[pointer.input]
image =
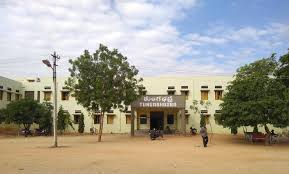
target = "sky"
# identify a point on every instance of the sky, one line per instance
(159, 37)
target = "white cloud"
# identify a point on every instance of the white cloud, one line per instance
(143, 30)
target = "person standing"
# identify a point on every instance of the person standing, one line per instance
(204, 135)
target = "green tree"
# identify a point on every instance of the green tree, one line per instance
(282, 72)
(45, 121)
(196, 105)
(102, 81)
(63, 120)
(253, 98)
(81, 123)
(2, 115)
(24, 112)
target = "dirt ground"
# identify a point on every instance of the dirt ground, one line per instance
(122, 154)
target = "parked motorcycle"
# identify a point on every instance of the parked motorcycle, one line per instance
(26, 132)
(41, 132)
(154, 134)
(193, 131)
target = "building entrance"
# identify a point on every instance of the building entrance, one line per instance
(157, 120)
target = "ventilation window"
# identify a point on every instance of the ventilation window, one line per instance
(30, 80)
(96, 119)
(204, 111)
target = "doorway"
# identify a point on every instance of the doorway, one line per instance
(157, 120)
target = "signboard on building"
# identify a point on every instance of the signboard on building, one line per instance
(160, 101)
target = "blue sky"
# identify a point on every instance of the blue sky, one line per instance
(160, 37)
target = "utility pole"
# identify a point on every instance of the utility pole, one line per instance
(55, 58)
(46, 62)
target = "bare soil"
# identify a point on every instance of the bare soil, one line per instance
(226, 154)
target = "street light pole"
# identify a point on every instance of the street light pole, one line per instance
(46, 62)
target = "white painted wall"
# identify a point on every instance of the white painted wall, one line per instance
(154, 86)
(9, 83)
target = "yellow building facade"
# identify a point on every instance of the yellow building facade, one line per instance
(167, 103)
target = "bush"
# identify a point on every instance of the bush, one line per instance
(202, 121)
(63, 120)
(81, 123)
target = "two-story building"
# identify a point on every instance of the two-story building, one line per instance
(167, 102)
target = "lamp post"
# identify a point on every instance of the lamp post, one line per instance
(53, 67)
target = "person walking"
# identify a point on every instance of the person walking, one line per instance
(204, 135)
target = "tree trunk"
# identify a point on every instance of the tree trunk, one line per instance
(100, 126)
(132, 123)
(267, 136)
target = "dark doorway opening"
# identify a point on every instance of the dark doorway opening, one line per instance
(157, 120)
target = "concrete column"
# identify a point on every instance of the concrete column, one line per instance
(132, 122)
(183, 122)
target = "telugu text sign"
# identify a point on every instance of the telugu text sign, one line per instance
(160, 101)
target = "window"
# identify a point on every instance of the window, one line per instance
(47, 95)
(9, 96)
(218, 95)
(171, 92)
(204, 95)
(38, 96)
(96, 119)
(47, 87)
(143, 119)
(29, 95)
(64, 95)
(143, 92)
(217, 112)
(110, 119)
(207, 118)
(170, 119)
(30, 80)
(185, 93)
(204, 111)
(76, 118)
(128, 119)
(1, 95)
(17, 97)
(187, 119)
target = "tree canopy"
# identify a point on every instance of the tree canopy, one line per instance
(282, 71)
(27, 112)
(255, 97)
(103, 80)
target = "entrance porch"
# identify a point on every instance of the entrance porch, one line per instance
(159, 112)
